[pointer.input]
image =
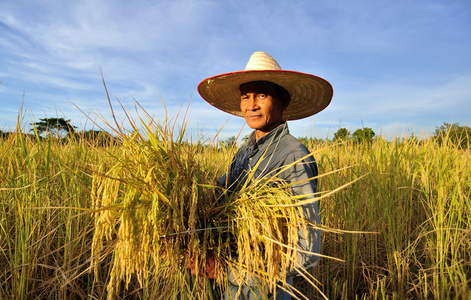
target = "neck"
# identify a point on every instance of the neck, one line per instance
(261, 132)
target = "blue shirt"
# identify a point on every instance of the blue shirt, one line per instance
(277, 149)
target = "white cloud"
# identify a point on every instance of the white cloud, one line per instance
(390, 63)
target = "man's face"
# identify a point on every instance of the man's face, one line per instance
(260, 106)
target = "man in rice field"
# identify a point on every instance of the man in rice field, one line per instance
(267, 96)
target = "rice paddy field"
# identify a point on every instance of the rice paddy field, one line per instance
(82, 219)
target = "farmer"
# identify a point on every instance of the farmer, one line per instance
(267, 96)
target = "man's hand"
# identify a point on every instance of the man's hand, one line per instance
(209, 268)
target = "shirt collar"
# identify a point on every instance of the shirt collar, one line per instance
(271, 136)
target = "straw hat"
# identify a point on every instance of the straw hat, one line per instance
(309, 94)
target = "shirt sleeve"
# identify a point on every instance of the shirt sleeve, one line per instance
(302, 174)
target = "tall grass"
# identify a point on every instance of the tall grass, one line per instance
(413, 206)
(44, 232)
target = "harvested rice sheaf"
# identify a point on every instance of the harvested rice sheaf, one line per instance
(156, 209)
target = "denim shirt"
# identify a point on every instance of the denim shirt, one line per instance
(277, 149)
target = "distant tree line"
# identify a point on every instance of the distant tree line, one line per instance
(450, 134)
(362, 136)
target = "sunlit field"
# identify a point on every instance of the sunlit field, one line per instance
(85, 218)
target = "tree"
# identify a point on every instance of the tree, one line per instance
(454, 134)
(364, 135)
(341, 134)
(229, 142)
(58, 127)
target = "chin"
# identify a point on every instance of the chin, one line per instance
(256, 127)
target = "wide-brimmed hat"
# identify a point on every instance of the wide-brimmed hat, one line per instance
(309, 94)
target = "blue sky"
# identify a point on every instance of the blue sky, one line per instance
(395, 66)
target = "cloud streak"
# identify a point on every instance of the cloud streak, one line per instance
(390, 63)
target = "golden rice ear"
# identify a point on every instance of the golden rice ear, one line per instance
(152, 207)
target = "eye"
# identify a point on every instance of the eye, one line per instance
(261, 96)
(244, 97)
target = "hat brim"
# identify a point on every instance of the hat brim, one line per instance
(309, 94)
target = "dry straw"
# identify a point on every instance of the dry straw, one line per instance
(155, 208)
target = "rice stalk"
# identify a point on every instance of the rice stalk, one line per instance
(156, 208)
(43, 247)
(416, 196)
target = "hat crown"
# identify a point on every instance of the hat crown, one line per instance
(262, 61)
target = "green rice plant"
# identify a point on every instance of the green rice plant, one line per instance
(445, 181)
(413, 208)
(44, 243)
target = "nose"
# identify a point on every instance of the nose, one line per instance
(252, 105)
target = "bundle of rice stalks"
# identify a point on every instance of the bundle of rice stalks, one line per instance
(265, 225)
(156, 209)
